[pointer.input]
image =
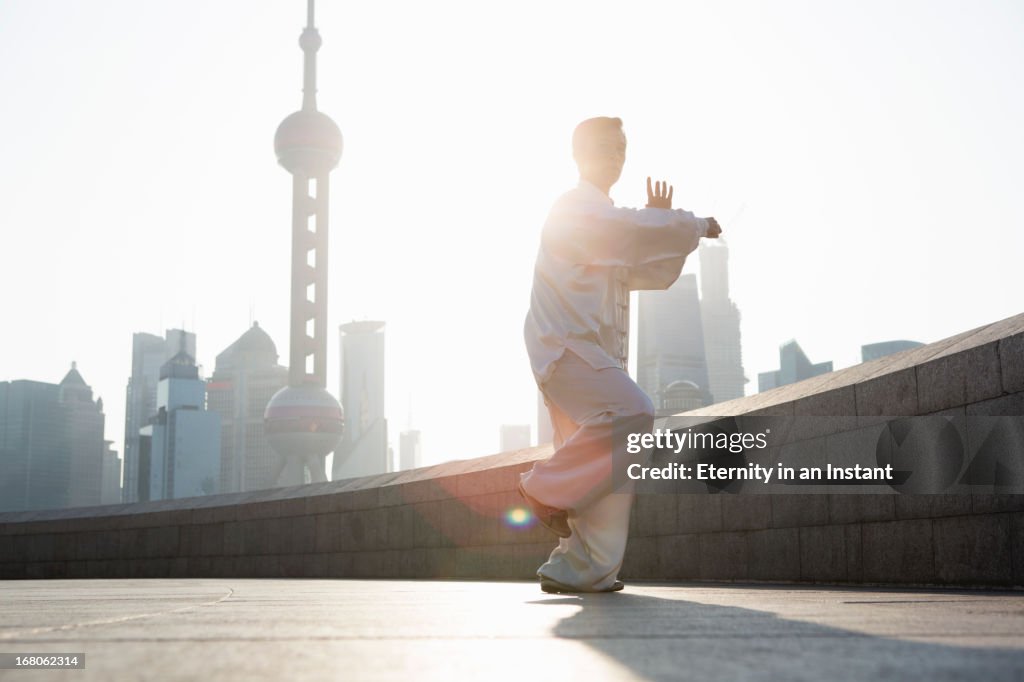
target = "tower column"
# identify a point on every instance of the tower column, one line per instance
(308, 341)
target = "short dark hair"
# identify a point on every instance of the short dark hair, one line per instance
(590, 137)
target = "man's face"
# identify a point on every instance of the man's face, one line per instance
(610, 156)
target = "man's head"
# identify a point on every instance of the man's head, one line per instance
(599, 147)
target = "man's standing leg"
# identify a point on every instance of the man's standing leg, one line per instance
(592, 555)
(578, 476)
(591, 558)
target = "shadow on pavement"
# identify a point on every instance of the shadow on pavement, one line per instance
(675, 639)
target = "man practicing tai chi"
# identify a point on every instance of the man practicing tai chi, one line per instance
(592, 254)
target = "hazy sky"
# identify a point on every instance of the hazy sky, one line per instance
(875, 149)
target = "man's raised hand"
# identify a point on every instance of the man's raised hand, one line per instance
(660, 196)
(714, 229)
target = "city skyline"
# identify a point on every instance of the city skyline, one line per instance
(864, 176)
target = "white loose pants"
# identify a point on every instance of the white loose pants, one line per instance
(584, 404)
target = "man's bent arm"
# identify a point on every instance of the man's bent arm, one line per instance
(592, 234)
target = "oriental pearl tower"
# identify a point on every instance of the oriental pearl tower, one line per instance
(304, 422)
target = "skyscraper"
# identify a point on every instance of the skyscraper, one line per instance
(179, 449)
(111, 488)
(409, 456)
(721, 320)
(149, 353)
(671, 343)
(51, 444)
(793, 367)
(873, 351)
(364, 447)
(303, 421)
(35, 471)
(513, 437)
(246, 376)
(682, 395)
(83, 439)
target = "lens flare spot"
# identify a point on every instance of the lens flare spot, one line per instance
(519, 517)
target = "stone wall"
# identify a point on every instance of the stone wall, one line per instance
(451, 520)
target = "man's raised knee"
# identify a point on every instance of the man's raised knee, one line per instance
(640, 406)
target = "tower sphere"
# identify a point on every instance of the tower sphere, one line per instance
(310, 40)
(303, 421)
(308, 142)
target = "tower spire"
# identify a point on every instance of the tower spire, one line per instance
(310, 42)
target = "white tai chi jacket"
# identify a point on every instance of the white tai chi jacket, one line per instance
(592, 254)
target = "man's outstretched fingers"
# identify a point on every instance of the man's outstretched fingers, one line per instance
(659, 195)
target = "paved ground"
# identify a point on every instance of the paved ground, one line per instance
(241, 629)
